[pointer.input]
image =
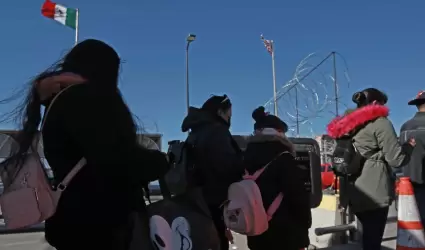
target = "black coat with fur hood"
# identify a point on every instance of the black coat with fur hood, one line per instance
(292, 220)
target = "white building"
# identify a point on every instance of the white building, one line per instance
(327, 145)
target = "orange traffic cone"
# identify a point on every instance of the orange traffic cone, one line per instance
(410, 232)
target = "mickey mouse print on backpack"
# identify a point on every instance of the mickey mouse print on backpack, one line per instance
(182, 222)
(170, 237)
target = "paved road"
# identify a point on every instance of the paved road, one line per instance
(390, 234)
(35, 241)
(31, 241)
(321, 219)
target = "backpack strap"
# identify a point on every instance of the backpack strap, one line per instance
(64, 183)
(191, 152)
(51, 104)
(274, 206)
(165, 190)
(81, 163)
(192, 139)
(147, 193)
(278, 200)
(261, 170)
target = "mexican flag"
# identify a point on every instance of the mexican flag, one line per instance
(60, 13)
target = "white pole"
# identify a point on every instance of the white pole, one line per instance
(77, 15)
(298, 114)
(274, 81)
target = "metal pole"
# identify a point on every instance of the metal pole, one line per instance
(341, 212)
(187, 77)
(274, 81)
(335, 85)
(296, 107)
(77, 15)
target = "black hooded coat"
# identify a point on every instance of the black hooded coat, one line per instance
(219, 156)
(289, 226)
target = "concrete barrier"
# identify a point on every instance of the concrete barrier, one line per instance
(322, 217)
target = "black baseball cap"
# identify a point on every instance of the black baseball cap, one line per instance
(419, 99)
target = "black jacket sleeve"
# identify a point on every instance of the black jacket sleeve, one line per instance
(102, 129)
(223, 155)
(293, 189)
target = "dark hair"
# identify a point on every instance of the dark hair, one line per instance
(28, 115)
(96, 61)
(216, 103)
(368, 96)
(79, 60)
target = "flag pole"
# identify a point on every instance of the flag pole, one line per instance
(77, 15)
(274, 80)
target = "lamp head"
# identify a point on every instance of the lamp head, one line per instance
(190, 38)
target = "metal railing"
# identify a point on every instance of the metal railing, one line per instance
(346, 228)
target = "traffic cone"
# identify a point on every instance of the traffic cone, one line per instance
(410, 231)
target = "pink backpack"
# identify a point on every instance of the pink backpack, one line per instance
(28, 198)
(244, 211)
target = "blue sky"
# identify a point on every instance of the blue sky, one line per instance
(378, 40)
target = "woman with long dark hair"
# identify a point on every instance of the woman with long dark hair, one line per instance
(371, 191)
(89, 119)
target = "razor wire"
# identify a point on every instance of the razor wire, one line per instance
(309, 94)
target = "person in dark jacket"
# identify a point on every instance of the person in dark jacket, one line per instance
(374, 137)
(219, 159)
(90, 119)
(288, 229)
(415, 128)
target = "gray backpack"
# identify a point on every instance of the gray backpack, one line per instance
(182, 157)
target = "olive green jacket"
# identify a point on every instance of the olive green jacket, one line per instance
(375, 138)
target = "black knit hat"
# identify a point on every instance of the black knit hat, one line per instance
(216, 103)
(265, 120)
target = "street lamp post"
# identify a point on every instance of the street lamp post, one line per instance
(190, 38)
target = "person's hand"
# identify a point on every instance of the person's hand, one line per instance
(412, 142)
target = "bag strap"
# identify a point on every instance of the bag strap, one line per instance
(261, 170)
(274, 206)
(81, 163)
(165, 190)
(51, 104)
(68, 178)
(278, 200)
